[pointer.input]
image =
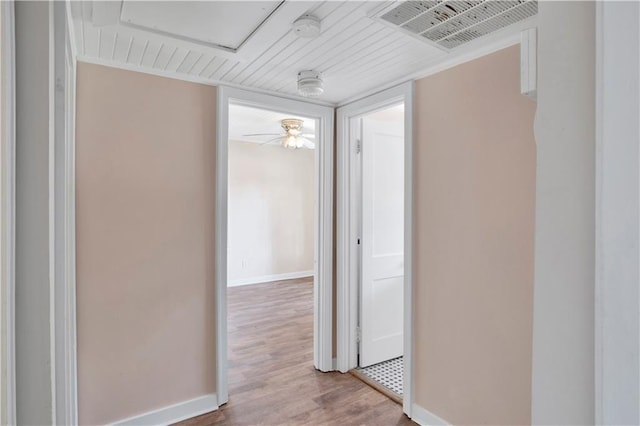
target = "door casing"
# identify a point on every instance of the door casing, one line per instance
(348, 227)
(323, 259)
(7, 214)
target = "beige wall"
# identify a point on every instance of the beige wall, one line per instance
(475, 166)
(271, 211)
(145, 242)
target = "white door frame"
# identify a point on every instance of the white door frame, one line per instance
(323, 268)
(62, 212)
(617, 300)
(348, 225)
(7, 216)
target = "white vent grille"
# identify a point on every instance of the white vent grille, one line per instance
(449, 24)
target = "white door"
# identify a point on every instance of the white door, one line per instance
(382, 242)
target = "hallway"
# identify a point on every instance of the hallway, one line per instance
(271, 376)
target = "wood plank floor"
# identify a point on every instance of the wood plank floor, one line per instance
(271, 376)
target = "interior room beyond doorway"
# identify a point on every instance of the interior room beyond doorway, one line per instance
(271, 201)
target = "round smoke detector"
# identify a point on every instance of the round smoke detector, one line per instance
(307, 26)
(310, 83)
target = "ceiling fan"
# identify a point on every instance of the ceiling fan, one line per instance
(292, 137)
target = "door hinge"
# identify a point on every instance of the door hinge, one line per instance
(358, 334)
(358, 146)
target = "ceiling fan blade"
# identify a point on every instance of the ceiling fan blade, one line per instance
(262, 134)
(306, 143)
(271, 140)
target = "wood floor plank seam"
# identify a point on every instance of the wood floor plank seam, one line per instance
(271, 376)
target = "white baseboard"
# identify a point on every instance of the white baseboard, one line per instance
(269, 278)
(426, 418)
(174, 413)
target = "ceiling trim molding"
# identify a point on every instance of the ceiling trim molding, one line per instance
(500, 40)
(196, 79)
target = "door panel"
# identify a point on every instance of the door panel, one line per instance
(382, 241)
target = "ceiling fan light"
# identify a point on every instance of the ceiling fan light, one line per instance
(289, 141)
(310, 83)
(292, 126)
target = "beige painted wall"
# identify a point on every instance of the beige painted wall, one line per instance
(271, 210)
(475, 167)
(145, 242)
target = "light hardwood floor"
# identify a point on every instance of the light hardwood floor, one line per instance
(271, 376)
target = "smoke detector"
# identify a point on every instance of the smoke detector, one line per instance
(307, 26)
(310, 83)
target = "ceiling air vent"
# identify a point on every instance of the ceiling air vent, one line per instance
(449, 24)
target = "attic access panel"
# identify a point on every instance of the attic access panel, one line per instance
(451, 23)
(225, 24)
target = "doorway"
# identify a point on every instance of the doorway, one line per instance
(322, 268)
(271, 199)
(380, 160)
(374, 227)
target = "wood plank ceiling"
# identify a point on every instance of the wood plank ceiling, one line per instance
(355, 53)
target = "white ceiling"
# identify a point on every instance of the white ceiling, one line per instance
(210, 22)
(250, 43)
